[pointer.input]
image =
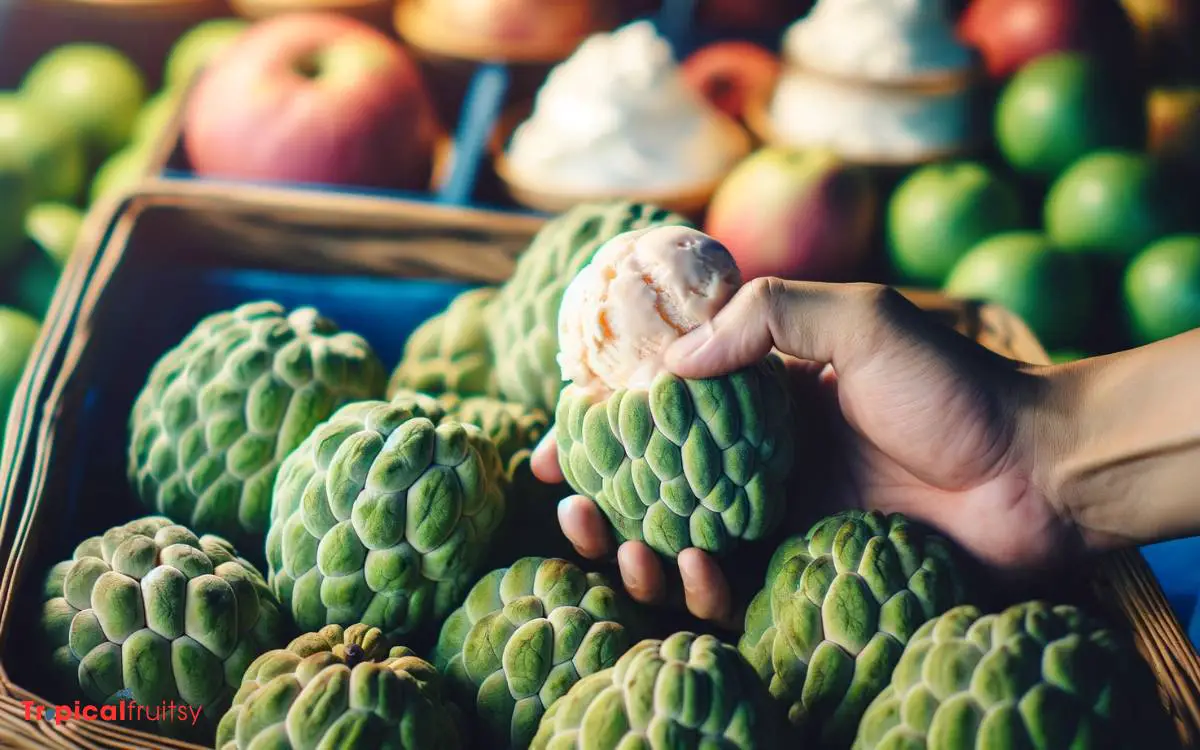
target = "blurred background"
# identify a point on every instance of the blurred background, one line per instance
(1041, 154)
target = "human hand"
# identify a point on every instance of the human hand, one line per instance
(922, 421)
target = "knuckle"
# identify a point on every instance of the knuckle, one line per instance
(877, 300)
(771, 295)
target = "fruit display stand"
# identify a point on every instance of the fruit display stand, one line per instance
(175, 251)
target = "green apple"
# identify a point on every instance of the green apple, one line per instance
(1022, 271)
(1114, 203)
(16, 196)
(122, 170)
(1060, 107)
(1162, 289)
(95, 88)
(57, 161)
(155, 116)
(941, 211)
(200, 44)
(18, 334)
(54, 227)
(30, 282)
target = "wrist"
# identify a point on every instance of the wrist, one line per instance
(1112, 442)
(1049, 439)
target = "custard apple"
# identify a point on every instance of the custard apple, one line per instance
(221, 410)
(515, 429)
(449, 353)
(685, 692)
(530, 525)
(838, 606)
(340, 688)
(687, 463)
(151, 612)
(523, 318)
(383, 517)
(1035, 676)
(523, 637)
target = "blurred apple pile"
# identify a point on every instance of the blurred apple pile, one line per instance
(80, 127)
(1079, 213)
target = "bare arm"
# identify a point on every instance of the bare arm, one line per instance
(1115, 442)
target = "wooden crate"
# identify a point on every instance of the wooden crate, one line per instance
(160, 244)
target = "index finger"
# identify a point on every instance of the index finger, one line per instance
(818, 322)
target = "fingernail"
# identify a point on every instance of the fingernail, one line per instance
(687, 345)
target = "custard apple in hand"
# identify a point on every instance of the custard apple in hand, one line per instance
(687, 692)
(840, 603)
(340, 688)
(154, 611)
(450, 352)
(672, 462)
(383, 517)
(523, 637)
(523, 319)
(1035, 677)
(223, 408)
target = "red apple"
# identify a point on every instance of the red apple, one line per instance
(317, 98)
(795, 214)
(730, 74)
(1009, 33)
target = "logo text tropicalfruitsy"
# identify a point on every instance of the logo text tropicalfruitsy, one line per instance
(120, 711)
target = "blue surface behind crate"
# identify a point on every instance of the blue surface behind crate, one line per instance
(1177, 564)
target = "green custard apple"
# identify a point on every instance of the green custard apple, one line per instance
(340, 688)
(515, 429)
(523, 319)
(839, 605)
(449, 353)
(383, 516)
(687, 692)
(523, 637)
(1035, 677)
(222, 409)
(675, 463)
(151, 610)
(530, 525)
(684, 463)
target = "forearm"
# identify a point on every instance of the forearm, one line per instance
(1116, 442)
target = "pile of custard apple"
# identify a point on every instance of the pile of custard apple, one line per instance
(333, 556)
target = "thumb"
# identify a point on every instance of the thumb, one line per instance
(815, 321)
